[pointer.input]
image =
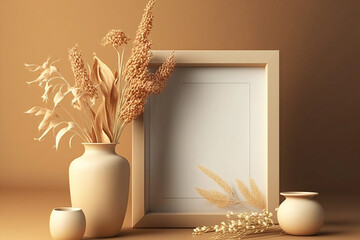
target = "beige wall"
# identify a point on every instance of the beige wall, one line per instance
(319, 76)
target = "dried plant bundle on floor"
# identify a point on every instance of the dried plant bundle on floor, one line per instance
(102, 103)
(238, 226)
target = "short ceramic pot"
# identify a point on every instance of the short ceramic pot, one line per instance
(67, 223)
(300, 214)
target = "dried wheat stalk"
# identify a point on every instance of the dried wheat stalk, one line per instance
(253, 196)
(217, 198)
(221, 182)
(103, 102)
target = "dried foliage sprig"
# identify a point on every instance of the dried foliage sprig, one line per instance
(253, 196)
(216, 178)
(103, 102)
(238, 226)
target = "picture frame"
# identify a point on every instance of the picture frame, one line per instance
(247, 63)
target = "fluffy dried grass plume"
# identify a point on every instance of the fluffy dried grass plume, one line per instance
(116, 38)
(140, 81)
(141, 87)
(82, 79)
(253, 197)
(137, 64)
(158, 81)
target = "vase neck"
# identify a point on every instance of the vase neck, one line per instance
(299, 194)
(100, 147)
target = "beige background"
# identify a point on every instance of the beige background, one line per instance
(319, 76)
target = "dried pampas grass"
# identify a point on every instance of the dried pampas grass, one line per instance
(137, 76)
(103, 102)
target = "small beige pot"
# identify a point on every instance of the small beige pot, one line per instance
(300, 214)
(67, 223)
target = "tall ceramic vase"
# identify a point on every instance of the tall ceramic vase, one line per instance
(99, 185)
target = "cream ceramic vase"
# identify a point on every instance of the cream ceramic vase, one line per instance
(99, 184)
(67, 223)
(300, 214)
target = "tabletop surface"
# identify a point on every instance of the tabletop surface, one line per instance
(25, 215)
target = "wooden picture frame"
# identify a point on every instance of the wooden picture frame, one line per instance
(266, 59)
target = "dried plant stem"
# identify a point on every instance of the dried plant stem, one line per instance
(121, 86)
(60, 77)
(72, 130)
(86, 129)
(90, 115)
(78, 134)
(122, 126)
(85, 136)
(118, 82)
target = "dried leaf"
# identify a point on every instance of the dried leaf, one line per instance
(114, 97)
(48, 117)
(105, 137)
(93, 114)
(48, 70)
(36, 110)
(77, 95)
(93, 135)
(47, 89)
(103, 75)
(62, 132)
(44, 75)
(52, 125)
(221, 182)
(59, 96)
(32, 67)
(99, 119)
(70, 140)
(116, 76)
(101, 124)
(215, 197)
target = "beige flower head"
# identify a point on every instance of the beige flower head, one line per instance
(115, 38)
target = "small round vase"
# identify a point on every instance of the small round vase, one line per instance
(67, 223)
(300, 214)
(99, 185)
